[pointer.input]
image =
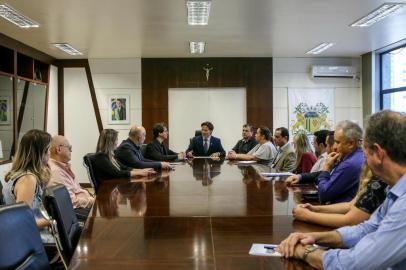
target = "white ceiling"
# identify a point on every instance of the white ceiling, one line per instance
(237, 28)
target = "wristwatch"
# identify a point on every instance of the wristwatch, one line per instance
(308, 250)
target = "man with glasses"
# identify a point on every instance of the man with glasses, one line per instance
(61, 173)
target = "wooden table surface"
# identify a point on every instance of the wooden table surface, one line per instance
(204, 215)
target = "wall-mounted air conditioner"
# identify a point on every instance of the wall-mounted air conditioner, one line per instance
(333, 72)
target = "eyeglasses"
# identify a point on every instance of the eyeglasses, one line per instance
(69, 147)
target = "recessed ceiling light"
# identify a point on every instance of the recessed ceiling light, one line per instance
(12, 15)
(197, 46)
(67, 48)
(198, 12)
(320, 48)
(378, 14)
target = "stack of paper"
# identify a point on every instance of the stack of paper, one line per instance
(274, 174)
(245, 162)
(264, 250)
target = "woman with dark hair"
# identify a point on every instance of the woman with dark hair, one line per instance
(28, 174)
(106, 166)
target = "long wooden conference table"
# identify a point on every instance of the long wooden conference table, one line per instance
(203, 215)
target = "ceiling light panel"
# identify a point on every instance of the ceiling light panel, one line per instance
(378, 14)
(197, 46)
(67, 48)
(12, 15)
(320, 48)
(198, 12)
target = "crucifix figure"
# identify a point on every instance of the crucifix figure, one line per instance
(207, 69)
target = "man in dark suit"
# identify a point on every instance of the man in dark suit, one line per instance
(129, 151)
(205, 145)
(120, 110)
(156, 150)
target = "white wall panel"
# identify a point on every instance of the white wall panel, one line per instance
(117, 81)
(118, 76)
(295, 72)
(348, 97)
(52, 121)
(188, 108)
(80, 120)
(115, 65)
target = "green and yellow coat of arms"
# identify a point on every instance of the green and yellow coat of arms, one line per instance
(310, 118)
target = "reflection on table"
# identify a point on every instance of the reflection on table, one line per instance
(202, 215)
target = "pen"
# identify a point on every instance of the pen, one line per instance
(270, 246)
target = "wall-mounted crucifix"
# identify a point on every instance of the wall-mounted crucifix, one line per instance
(207, 69)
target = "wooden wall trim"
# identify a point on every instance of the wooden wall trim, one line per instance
(160, 74)
(22, 106)
(94, 97)
(75, 63)
(47, 99)
(25, 49)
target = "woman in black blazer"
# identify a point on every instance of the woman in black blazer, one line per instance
(106, 165)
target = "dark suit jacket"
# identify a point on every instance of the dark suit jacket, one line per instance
(130, 155)
(309, 177)
(196, 146)
(121, 113)
(160, 152)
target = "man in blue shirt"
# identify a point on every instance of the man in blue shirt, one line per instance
(379, 242)
(339, 179)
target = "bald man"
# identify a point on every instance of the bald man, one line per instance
(61, 173)
(129, 151)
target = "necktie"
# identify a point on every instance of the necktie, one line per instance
(205, 146)
(276, 157)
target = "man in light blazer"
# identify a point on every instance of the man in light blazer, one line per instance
(285, 159)
(206, 144)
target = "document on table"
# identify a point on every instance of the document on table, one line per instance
(264, 250)
(201, 157)
(245, 162)
(274, 174)
(176, 163)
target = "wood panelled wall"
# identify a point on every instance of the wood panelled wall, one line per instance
(160, 74)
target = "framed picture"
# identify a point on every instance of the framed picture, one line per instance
(5, 111)
(119, 109)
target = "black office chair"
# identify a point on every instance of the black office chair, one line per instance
(20, 246)
(59, 206)
(1, 194)
(87, 162)
(197, 133)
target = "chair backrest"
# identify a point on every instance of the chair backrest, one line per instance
(1, 194)
(59, 206)
(198, 132)
(88, 163)
(143, 149)
(20, 246)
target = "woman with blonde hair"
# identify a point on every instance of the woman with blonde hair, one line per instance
(29, 174)
(106, 166)
(305, 158)
(370, 195)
